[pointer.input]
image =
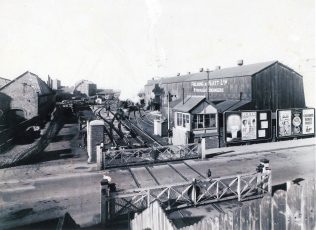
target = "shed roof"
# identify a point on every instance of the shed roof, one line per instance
(189, 104)
(231, 105)
(236, 71)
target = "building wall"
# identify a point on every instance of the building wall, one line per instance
(278, 87)
(20, 96)
(56, 84)
(3, 81)
(219, 89)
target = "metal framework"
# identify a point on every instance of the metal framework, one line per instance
(126, 157)
(180, 195)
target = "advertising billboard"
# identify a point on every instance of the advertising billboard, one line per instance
(246, 126)
(295, 122)
(308, 116)
(284, 123)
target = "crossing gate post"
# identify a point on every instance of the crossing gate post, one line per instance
(99, 157)
(105, 194)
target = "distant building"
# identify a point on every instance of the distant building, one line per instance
(26, 96)
(3, 81)
(56, 84)
(85, 88)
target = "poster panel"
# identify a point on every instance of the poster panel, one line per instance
(249, 125)
(296, 122)
(284, 123)
(308, 117)
(233, 127)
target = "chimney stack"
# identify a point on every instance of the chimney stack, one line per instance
(189, 73)
(240, 62)
(201, 69)
(178, 74)
(218, 67)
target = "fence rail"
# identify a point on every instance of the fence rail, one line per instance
(127, 157)
(187, 194)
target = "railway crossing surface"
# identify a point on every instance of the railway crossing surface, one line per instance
(53, 188)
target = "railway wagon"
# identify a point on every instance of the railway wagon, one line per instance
(267, 85)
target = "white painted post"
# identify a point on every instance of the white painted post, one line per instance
(238, 188)
(99, 157)
(203, 148)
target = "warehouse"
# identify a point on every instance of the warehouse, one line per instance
(268, 85)
(27, 97)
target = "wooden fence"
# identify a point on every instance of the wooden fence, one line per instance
(154, 218)
(291, 209)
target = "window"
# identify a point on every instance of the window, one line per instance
(201, 121)
(179, 119)
(182, 119)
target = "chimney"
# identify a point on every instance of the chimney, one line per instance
(178, 74)
(240, 62)
(201, 69)
(218, 67)
(189, 73)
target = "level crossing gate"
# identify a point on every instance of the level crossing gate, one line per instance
(141, 156)
(180, 195)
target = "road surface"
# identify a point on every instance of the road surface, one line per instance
(47, 190)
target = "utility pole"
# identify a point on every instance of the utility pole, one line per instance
(208, 83)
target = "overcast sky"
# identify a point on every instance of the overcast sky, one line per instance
(122, 43)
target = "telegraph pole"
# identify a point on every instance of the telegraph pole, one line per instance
(208, 83)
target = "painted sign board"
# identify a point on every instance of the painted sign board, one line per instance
(295, 122)
(247, 126)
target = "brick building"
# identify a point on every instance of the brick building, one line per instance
(26, 96)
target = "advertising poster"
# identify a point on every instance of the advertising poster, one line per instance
(233, 127)
(296, 122)
(308, 117)
(248, 125)
(284, 123)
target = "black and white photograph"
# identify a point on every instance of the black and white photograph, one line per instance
(157, 115)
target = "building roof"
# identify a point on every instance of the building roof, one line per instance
(32, 80)
(231, 105)
(189, 104)
(195, 105)
(236, 71)
(3, 81)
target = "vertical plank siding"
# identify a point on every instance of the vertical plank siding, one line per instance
(153, 218)
(277, 87)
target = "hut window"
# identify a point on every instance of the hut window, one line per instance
(201, 121)
(210, 120)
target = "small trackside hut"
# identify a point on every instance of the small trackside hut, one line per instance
(194, 118)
